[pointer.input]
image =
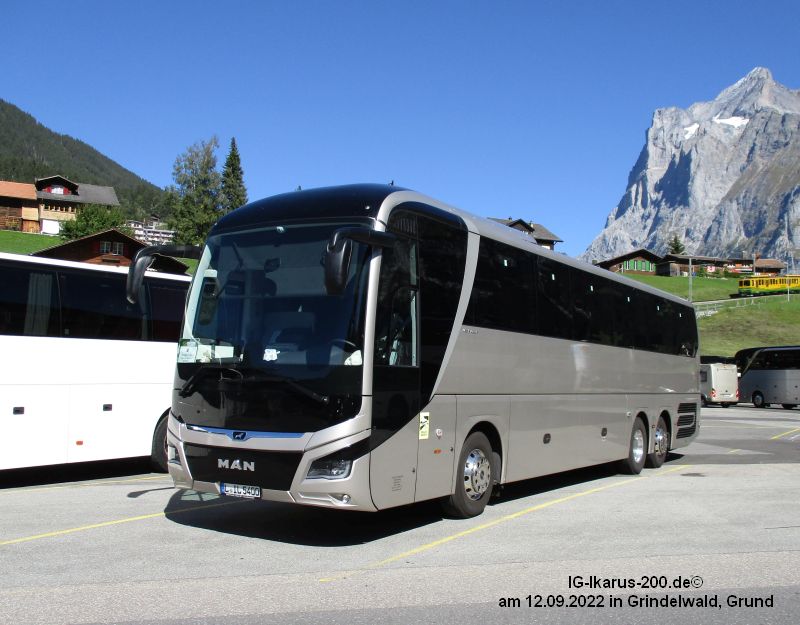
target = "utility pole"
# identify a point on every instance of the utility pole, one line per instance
(690, 278)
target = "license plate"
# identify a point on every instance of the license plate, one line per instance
(240, 490)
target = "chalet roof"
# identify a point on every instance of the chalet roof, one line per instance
(537, 231)
(18, 190)
(41, 183)
(640, 253)
(85, 194)
(770, 263)
(61, 251)
(684, 258)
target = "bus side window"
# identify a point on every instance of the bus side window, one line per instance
(94, 307)
(28, 302)
(166, 310)
(396, 322)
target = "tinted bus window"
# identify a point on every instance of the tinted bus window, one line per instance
(553, 299)
(503, 296)
(166, 300)
(94, 307)
(28, 301)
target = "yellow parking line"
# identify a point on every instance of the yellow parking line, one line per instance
(498, 521)
(774, 438)
(132, 519)
(733, 451)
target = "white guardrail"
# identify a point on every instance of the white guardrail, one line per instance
(705, 309)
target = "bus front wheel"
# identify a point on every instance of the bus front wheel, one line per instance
(758, 400)
(475, 478)
(158, 454)
(637, 450)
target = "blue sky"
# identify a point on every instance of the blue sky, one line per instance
(526, 109)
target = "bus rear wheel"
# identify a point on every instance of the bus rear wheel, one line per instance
(660, 444)
(788, 406)
(475, 478)
(637, 450)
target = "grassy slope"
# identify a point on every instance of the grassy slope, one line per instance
(703, 289)
(774, 322)
(25, 243)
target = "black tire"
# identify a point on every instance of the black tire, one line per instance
(158, 453)
(477, 471)
(726, 404)
(758, 400)
(788, 406)
(661, 442)
(637, 449)
(703, 401)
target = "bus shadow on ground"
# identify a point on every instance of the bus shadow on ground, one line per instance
(323, 527)
(78, 472)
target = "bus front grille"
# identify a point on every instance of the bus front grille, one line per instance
(272, 470)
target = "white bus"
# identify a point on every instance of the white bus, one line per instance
(86, 376)
(364, 347)
(770, 375)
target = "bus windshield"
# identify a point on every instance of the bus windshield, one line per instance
(261, 323)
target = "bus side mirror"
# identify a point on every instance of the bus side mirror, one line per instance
(337, 264)
(144, 258)
(340, 249)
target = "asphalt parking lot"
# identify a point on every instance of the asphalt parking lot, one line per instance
(718, 526)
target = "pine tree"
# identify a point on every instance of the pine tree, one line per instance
(196, 195)
(234, 193)
(676, 246)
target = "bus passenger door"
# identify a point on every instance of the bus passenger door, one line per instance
(396, 379)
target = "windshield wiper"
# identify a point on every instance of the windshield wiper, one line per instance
(190, 385)
(248, 376)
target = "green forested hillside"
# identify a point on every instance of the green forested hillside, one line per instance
(28, 150)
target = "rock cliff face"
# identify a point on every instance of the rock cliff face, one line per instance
(724, 176)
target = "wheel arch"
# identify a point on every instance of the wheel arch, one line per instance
(668, 420)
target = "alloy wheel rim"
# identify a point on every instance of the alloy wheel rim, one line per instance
(477, 474)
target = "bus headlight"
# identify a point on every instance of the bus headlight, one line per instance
(339, 464)
(330, 469)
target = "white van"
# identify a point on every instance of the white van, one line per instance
(719, 384)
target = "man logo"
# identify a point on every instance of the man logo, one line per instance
(238, 465)
(240, 436)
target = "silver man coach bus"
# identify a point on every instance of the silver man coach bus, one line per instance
(364, 347)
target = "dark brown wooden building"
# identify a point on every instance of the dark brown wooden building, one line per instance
(110, 247)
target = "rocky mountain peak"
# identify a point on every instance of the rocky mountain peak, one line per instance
(756, 91)
(724, 176)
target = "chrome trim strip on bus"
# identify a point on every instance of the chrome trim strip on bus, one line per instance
(243, 435)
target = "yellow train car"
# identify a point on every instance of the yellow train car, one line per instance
(768, 285)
